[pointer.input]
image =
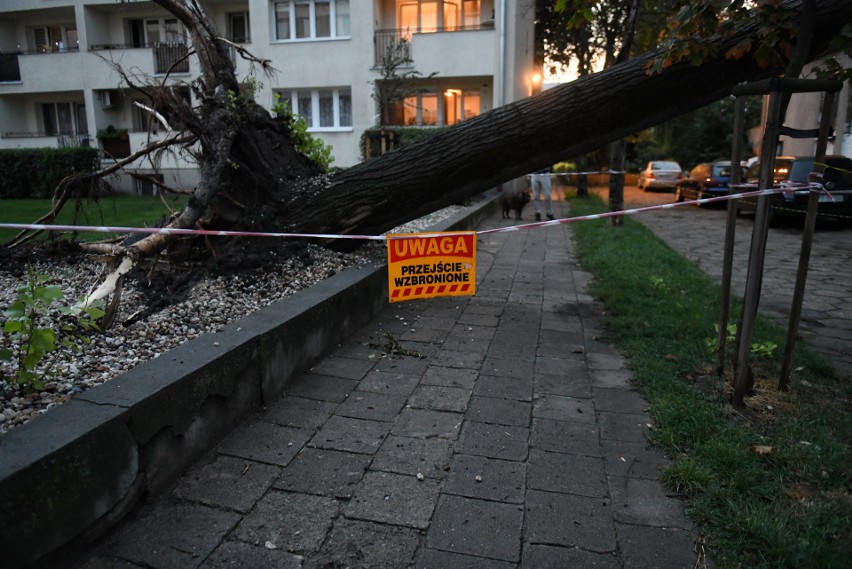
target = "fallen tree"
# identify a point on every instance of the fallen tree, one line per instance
(252, 177)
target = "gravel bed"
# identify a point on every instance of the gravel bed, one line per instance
(212, 303)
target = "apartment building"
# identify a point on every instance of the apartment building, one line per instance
(59, 83)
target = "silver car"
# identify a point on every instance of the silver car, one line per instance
(660, 175)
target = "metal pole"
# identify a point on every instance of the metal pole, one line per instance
(730, 233)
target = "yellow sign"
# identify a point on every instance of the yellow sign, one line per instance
(426, 265)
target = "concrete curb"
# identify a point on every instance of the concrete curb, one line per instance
(69, 475)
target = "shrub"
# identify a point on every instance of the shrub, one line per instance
(36, 172)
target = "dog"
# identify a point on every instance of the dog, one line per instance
(514, 201)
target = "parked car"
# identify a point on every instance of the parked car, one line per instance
(707, 180)
(660, 175)
(836, 178)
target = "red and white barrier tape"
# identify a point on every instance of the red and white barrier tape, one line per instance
(170, 231)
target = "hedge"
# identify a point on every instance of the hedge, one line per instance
(36, 172)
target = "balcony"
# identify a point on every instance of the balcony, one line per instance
(458, 53)
(401, 39)
(168, 57)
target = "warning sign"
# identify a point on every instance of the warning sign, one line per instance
(426, 265)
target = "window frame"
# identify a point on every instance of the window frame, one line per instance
(293, 29)
(314, 120)
(246, 22)
(442, 110)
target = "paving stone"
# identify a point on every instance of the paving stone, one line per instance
(569, 521)
(354, 543)
(512, 340)
(322, 387)
(474, 319)
(565, 386)
(574, 353)
(552, 557)
(347, 368)
(227, 482)
(477, 527)
(354, 435)
(171, 536)
(619, 400)
(567, 473)
(508, 367)
(436, 322)
(394, 499)
(419, 333)
(463, 332)
(479, 305)
(292, 522)
(324, 472)
(439, 398)
(505, 387)
(435, 559)
(236, 555)
(599, 361)
(570, 367)
(546, 406)
(423, 424)
(101, 562)
(264, 442)
(486, 478)
(624, 458)
(450, 377)
(672, 547)
(403, 364)
(372, 406)
(412, 456)
(299, 412)
(645, 502)
(624, 426)
(494, 441)
(611, 378)
(499, 411)
(565, 437)
(391, 383)
(452, 358)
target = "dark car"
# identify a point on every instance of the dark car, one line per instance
(836, 179)
(707, 180)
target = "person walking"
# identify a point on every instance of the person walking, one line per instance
(541, 189)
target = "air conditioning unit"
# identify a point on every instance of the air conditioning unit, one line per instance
(108, 99)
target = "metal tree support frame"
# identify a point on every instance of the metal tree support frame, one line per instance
(777, 89)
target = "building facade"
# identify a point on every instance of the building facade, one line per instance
(61, 65)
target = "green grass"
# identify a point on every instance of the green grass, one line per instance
(789, 508)
(121, 211)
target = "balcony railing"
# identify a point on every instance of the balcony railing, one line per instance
(63, 140)
(171, 58)
(10, 71)
(397, 43)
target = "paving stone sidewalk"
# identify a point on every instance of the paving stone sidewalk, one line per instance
(514, 441)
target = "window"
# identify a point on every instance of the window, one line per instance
(437, 15)
(322, 109)
(238, 27)
(156, 31)
(311, 19)
(428, 109)
(48, 39)
(64, 118)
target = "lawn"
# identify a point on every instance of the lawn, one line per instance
(768, 486)
(120, 210)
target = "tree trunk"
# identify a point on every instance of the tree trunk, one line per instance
(251, 177)
(530, 134)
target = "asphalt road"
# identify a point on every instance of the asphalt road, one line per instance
(698, 234)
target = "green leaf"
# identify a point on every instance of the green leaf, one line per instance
(6, 354)
(13, 326)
